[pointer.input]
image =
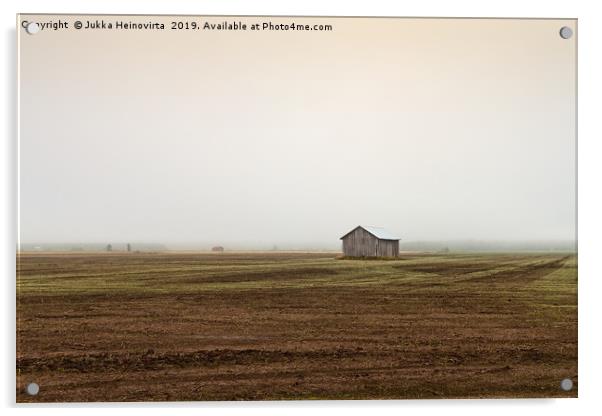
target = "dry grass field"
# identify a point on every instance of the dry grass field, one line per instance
(263, 326)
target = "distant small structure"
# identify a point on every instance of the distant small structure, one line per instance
(217, 249)
(364, 241)
(129, 247)
(109, 247)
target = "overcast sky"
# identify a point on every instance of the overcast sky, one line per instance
(434, 129)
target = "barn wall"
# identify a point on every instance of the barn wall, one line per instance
(360, 243)
(388, 248)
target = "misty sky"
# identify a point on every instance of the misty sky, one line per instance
(435, 129)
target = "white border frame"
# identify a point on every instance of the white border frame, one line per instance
(589, 208)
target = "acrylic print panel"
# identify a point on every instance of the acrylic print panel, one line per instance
(268, 208)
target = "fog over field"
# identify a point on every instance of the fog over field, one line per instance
(438, 130)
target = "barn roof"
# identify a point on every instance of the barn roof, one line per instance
(377, 232)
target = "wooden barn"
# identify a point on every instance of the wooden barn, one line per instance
(370, 242)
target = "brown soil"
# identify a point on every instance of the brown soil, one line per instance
(511, 333)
